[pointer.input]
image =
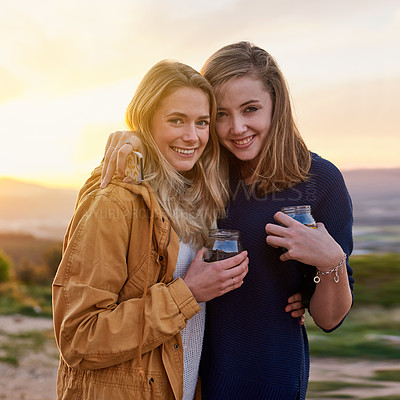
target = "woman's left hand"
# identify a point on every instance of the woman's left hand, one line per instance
(310, 246)
(118, 147)
(295, 307)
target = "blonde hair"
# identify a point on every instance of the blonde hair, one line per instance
(193, 200)
(284, 158)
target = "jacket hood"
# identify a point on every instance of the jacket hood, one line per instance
(93, 184)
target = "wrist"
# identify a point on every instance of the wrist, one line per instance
(333, 259)
(334, 271)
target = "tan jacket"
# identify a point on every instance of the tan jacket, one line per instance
(117, 311)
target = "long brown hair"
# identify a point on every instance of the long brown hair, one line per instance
(193, 200)
(284, 158)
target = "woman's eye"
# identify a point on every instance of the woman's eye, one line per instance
(176, 121)
(251, 109)
(220, 114)
(203, 123)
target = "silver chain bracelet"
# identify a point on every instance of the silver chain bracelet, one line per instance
(317, 279)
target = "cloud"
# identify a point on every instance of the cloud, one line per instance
(62, 47)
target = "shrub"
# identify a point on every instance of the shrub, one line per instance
(52, 258)
(5, 267)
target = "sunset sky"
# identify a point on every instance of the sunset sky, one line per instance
(69, 68)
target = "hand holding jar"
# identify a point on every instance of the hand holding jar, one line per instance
(310, 246)
(217, 269)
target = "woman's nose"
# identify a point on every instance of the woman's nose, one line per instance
(238, 125)
(190, 134)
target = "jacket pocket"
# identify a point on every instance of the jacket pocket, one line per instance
(119, 384)
(134, 285)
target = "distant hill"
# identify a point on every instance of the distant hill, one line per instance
(45, 212)
(375, 194)
(35, 209)
(373, 183)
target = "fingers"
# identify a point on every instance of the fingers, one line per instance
(200, 254)
(295, 307)
(284, 219)
(208, 280)
(130, 139)
(274, 229)
(122, 155)
(296, 310)
(128, 180)
(137, 144)
(236, 283)
(275, 234)
(235, 276)
(107, 144)
(231, 272)
(295, 298)
(231, 262)
(118, 147)
(108, 167)
(238, 273)
(288, 236)
(276, 241)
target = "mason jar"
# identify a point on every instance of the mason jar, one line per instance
(301, 214)
(222, 244)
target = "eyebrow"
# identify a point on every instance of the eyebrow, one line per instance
(179, 114)
(243, 104)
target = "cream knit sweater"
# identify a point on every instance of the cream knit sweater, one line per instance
(192, 334)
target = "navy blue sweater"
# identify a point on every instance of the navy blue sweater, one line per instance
(253, 349)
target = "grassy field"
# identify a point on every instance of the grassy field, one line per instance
(370, 332)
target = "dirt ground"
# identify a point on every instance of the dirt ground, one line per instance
(35, 377)
(355, 372)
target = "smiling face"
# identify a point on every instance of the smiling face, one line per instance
(243, 117)
(180, 127)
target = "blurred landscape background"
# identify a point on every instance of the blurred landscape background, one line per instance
(356, 361)
(44, 212)
(68, 70)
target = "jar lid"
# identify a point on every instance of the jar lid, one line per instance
(296, 209)
(224, 233)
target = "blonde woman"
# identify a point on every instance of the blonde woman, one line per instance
(128, 297)
(252, 348)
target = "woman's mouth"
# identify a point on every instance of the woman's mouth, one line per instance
(180, 150)
(244, 141)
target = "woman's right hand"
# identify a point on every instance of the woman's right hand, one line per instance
(208, 280)
(118, 147)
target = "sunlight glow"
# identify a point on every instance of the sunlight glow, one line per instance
(68, 73)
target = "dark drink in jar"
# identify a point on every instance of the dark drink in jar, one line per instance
(301, 214)
(222, 244)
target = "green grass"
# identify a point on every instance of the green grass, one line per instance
(377, 279)
(14, 346)
(330, 396)
(377, 284)
(392, 375)
(29, 300)
(330, 386)
(366, 333)
(325, 389)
